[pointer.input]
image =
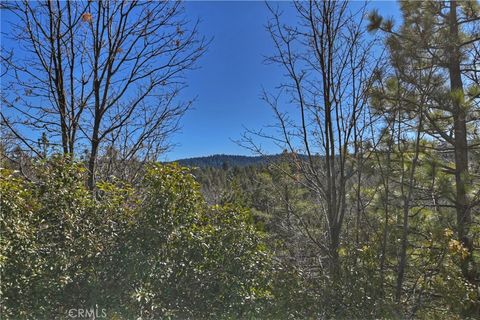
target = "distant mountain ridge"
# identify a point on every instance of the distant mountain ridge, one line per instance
(221, 160)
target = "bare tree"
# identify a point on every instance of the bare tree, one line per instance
(328, 62)
(99, 73)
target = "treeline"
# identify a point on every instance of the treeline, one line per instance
(225, 160)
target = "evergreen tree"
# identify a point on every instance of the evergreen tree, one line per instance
(437, 39)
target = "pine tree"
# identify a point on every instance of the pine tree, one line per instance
(438, 38)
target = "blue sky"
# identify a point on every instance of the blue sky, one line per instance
(231, 76)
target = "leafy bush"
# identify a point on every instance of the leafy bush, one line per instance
(156, 251)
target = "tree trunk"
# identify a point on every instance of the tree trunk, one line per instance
(92, 162)
(56, 52)
(406, 211)
(460, 141)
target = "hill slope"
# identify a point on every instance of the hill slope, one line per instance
(220, 160)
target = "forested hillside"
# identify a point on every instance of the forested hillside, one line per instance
(223, 160)
(372, 210)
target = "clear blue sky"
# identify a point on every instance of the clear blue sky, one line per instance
(231, 76)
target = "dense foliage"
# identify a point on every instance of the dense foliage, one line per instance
(153, 251)
(365, 287)
(159, 250)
